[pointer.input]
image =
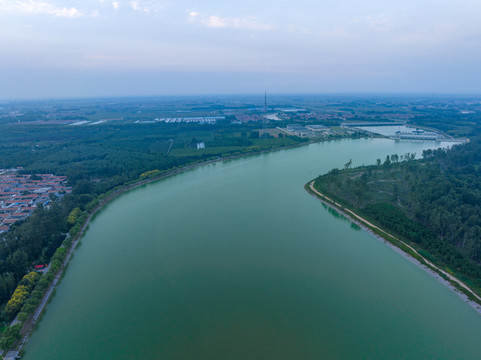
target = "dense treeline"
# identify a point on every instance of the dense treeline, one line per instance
(435, 202)
(21, 294)
(432, 246)
(450, 121)
(35, 240)
(27, 296)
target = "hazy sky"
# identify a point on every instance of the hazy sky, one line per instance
(53, 48)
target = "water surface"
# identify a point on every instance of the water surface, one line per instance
(387, 130)
(235, 260)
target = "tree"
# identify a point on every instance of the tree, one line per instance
(18, 263)
(10, 336)
(83, 187)
(387, 162)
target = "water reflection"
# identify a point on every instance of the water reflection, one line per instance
(340, 216)
(355, 226)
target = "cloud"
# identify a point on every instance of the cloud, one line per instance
(146, 6)
(115, 5)
(213, 21)
(36, 7)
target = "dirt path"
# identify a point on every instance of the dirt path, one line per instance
(372, 226)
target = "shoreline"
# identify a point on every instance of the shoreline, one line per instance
(429, 267)
(30, 324)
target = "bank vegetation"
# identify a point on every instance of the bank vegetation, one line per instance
(432, 204)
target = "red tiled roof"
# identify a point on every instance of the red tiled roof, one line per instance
(19, 215)
(10, 221)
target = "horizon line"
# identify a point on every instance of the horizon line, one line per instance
(198, 95)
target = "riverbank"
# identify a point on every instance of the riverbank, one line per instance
(30, 324)
(191, 233)
(445, 278)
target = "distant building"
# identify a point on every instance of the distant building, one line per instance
(417, 135)
(20, 194)
(299, 130)
(192, 119)
(200, 145)
(317, 128)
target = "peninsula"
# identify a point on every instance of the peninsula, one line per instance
(428, 207)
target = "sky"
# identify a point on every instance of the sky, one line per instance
(91, 48)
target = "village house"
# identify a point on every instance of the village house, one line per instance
(20, 194)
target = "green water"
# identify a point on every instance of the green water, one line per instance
(236, 261)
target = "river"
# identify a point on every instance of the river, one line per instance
(235, 260)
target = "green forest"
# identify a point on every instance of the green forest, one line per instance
(434, 203)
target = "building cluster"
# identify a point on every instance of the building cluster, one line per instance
(299, 130)
(21, 194)
(306, 131)
(418, 135)
(317, 116)
(192, 119)
(245, 118)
